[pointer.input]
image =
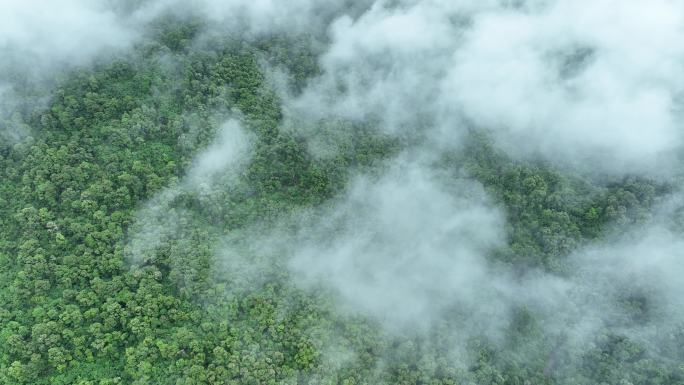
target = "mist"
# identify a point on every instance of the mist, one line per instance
(412, 243)
(585, 84)
(405, 248)
(588, 87)
(250, 19)
(160, 222)
(49, 34)
(39, 40)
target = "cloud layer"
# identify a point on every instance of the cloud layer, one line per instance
(38, 37)
(583, 83)
(590, 84)
(405, 247)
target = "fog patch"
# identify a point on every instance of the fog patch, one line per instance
(161, 220)
(612, 108)
(581, 84)
(253, 18)
(404, 247)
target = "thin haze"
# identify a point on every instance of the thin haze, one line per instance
(159, 222)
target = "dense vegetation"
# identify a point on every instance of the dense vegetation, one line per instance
(76, 308)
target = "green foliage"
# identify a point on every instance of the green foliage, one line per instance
(73, 310)
(549, 212)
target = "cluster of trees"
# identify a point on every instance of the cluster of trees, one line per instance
(75, 310)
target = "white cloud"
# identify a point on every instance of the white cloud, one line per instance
(159, 221)
(590, 84)
(40, 33)
(403, 248)
(617, 111)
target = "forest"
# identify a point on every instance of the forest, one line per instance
(354, 192)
